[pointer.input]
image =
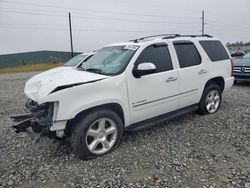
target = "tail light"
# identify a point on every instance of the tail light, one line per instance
(232, 66)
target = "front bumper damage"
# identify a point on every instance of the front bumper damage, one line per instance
(38, 119)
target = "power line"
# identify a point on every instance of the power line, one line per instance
(223, 34)
(32, 13)
(32, 24)
(152, 5)
(111, 30)
(211, 22)
(36, 10)
(227, 28)
(80, 15)
(92, 29)
(225, 24)
(100, 11)
(35, 28)
(104, 18)
(133, 31)
(133, 20)
(77, 27)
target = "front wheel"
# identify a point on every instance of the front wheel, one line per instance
(211, 99)
(96, 134)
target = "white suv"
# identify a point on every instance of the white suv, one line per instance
(127, 86)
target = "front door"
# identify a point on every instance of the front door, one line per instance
(156, 93)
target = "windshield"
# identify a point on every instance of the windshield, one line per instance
(110, 60)
(247, 56)
(75, 60)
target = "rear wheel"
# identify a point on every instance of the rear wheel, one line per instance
(211, 99)
(96, 134)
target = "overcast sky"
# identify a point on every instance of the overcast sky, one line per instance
(43, 24)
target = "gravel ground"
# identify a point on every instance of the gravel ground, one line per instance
(190, 151)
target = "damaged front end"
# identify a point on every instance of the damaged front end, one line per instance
(39, 118)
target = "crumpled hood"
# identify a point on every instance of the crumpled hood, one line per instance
(242, 62)
(41, 85)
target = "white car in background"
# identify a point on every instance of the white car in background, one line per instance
(78, 60)
(74, 62)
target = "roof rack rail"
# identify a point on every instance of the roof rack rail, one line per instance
(159, 35)
(193, 36)
(168, 36)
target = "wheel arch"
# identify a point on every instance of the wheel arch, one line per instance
(216, 80)
(115, 107)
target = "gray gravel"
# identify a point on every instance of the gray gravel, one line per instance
(190, 151)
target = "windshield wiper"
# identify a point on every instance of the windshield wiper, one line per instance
(81, 68)
(93, 70)
(99, 71)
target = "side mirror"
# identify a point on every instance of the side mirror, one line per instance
(144, 69)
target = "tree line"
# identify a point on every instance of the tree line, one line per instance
(238, 43)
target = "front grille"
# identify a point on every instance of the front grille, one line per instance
(242, 69)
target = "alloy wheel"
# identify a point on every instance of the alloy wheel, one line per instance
(101, 136)
(213, 101)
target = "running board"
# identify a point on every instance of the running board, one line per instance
(159, 119)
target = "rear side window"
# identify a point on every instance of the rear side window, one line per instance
(215, 50)
(187, 54)
(158, 55)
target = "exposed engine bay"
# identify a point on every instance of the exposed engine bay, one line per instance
(38, 117)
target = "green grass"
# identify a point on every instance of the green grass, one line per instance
(30, 68)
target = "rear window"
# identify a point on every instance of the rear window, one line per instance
(215, 50)
(187, 54)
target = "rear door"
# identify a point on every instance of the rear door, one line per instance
(193, 72)
(157, 93)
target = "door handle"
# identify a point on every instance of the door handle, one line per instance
(171, 78)
(202, 71)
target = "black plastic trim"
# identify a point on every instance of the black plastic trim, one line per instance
(59, 88)
(182, 42)
(164, 117)
(162, 44)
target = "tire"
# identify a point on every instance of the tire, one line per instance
(207, 99)
(235, 81)
(91, 131)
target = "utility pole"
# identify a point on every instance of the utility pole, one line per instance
(71, 40)
(203, 23)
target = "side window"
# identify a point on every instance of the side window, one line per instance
(215, 50)
(159, 55)
(187, 54)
